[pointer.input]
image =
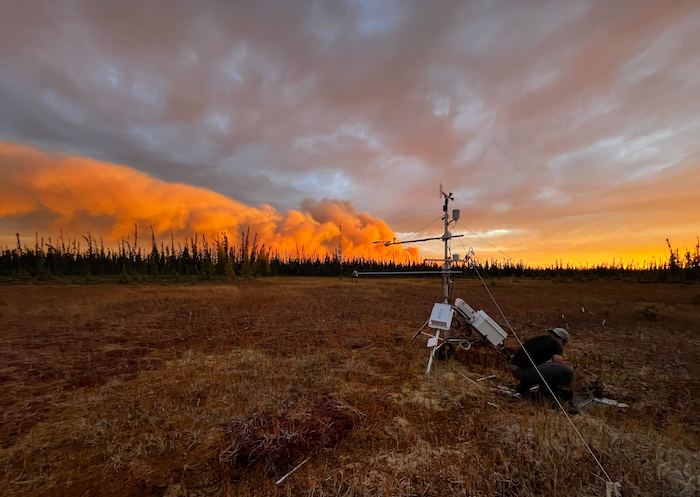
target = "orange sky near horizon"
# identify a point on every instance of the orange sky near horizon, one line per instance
(50, 192)
(567, 130)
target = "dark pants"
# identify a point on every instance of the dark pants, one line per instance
(558, 376)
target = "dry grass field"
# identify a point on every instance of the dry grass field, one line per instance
(221, 389)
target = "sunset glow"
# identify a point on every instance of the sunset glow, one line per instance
(75, 196)
(568, 131)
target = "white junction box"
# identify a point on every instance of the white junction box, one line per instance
(441, 317)
(489, 328)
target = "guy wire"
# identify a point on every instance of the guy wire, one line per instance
(539, 373)
(419, 229)
(482, 239)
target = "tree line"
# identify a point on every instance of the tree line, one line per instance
(199, 258)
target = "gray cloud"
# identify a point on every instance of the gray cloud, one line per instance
(541, 107)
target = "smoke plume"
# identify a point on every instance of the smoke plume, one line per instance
(50, 192)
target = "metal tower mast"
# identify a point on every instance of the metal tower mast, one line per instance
(446, 237)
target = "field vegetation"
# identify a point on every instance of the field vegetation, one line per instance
(201, 259)
(223, 388)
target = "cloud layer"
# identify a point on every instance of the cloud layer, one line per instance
(551, 121)
(77, 195)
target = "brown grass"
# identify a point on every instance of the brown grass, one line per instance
(222, 389)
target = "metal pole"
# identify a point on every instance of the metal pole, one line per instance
(447, 266)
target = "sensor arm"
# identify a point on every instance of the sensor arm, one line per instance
(386, 244)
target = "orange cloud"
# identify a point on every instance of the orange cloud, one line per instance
(79, 195)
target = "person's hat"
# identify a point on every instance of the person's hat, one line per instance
(561, 333)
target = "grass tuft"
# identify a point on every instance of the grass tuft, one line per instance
(279, 437)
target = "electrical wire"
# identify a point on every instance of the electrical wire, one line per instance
(483, 239)
(419, 230)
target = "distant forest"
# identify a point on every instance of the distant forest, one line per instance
(198, 258)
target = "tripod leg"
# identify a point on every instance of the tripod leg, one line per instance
(418, 332)
(432, 352)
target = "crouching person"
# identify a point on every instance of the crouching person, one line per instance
(547, 352)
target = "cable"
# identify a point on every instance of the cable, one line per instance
(483, 239)
(609, 481)
(419, 229)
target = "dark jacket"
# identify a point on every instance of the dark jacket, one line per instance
(541, 349)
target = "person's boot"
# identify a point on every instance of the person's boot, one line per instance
(566, 399)
(563, 394)
(527, 391)
(572, 407)
(522, 389)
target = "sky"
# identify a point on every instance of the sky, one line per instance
(566, 130)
